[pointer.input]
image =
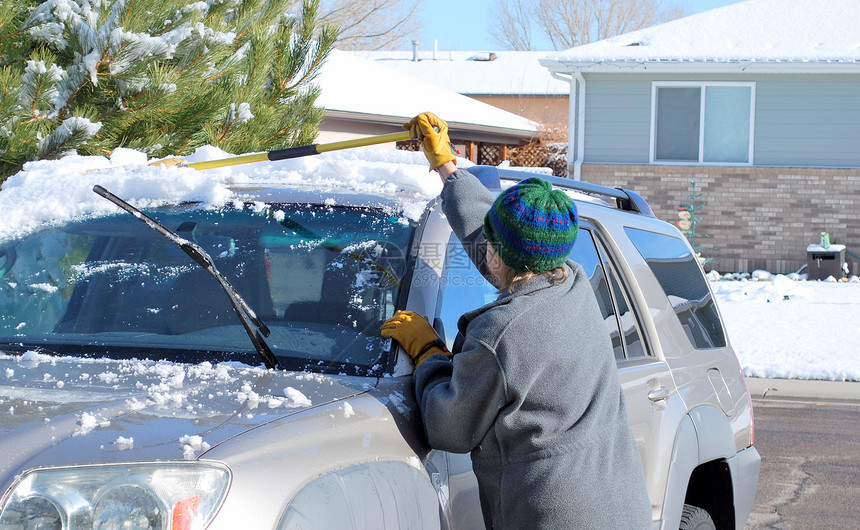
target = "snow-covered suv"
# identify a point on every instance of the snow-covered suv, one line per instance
(222, 367)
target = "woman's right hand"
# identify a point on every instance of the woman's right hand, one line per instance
(432, 132)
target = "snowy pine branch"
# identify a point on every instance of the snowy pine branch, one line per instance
(38, 92)
(68, 136)
(164, 77)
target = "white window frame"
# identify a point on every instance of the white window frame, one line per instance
(655, 85)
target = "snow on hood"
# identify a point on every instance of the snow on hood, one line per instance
(72, 411)
(50, 192)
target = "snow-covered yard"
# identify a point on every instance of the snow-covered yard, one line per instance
(793, 329)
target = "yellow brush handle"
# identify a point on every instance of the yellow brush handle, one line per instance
(361, 142)
(235, 161)
(302, 150)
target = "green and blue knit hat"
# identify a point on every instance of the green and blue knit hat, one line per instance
(532, 226)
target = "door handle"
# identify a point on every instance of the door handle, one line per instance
(659, 394)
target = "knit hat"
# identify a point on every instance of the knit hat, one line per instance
(532, 226)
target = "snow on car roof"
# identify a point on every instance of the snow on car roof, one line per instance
(50, 192)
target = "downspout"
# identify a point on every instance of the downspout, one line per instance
(576, 121)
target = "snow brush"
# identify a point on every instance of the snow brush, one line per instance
(289, 152)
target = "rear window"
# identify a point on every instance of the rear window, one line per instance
(682, 280)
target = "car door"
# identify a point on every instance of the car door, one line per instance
(462, 288)
(654, 407)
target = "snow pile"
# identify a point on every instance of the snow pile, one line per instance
(191, 444)
(122, 443)
(166, 387)
(30, 359)
(53, 191)
(793, 329)
(776, 288)
(87, 422)
(295, 398)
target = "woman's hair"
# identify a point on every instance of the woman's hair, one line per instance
(512, 278)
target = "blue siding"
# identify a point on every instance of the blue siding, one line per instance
(617, 118)
(808, 120)
(800, 119)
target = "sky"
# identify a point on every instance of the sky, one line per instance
(464, 25)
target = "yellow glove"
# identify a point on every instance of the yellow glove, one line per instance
(415, 334)
(433, 135)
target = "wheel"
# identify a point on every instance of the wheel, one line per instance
(695, 518)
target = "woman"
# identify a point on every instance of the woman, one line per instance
(531, 388)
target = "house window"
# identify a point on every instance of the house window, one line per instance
(705, 123)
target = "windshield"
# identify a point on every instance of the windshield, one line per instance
(322, 278)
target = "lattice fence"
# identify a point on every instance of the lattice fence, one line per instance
(551, 155)
(490, 154)
(533, 154)
(408, 145)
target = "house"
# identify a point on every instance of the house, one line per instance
(757, 102)
(511, 80)
(363, 98)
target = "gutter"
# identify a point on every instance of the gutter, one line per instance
(576, 121)
(707, 66)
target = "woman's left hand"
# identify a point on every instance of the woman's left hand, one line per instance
(415, 334)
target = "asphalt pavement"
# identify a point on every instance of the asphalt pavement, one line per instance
(810, 464)
(803, 389)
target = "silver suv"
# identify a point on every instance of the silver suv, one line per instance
(222, 368)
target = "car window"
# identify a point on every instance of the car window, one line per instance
(585, 253)
(322, 278)
(681, 278)
(633, 345)
(465, 289)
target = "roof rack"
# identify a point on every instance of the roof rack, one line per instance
(491, 177)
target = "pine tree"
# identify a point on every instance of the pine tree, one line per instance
(164, 77)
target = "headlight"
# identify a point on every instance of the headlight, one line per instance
(168, 496)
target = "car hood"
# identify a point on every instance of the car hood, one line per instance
(59, 411)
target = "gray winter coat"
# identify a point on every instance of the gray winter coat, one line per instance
(532, 391)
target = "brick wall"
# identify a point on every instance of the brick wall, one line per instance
(757, 217)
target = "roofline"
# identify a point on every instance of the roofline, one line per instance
(728, 66)
(453, 126)
(517, 94)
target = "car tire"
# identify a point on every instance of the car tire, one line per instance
(695, 518)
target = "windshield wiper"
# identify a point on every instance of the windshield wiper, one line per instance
(254, 327)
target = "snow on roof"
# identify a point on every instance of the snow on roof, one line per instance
(352, 84)
(778, 33)
(509, 73)
(50, 192)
